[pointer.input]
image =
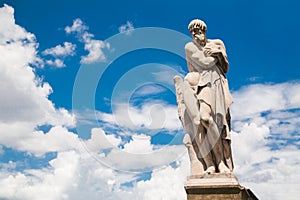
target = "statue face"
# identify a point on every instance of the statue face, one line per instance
(199, 36)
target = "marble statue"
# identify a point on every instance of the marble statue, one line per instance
(203, 99)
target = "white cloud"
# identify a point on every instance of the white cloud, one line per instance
(94, 47)
(10, 32)
(151, 116)
(262, 169)
(258, 98)
(77, 27)
(41, 184)
(68, 49)
(265, 150)
(59, 53)
(167, 181)
(78, 176)
(57, 62)
(143, 162)
(24, 96)
(140, 144)
(38, 143)
(126, 28)
(149, 90)
(24, 102)
(137, 153)
(248, 143)
(99, 141)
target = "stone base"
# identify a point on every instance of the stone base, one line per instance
(215, 187)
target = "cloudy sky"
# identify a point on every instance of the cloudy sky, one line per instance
(87, 104)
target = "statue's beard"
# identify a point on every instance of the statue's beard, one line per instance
(200, 40)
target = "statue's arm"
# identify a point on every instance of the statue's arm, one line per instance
(222, 57)
(216, 49)
(195, 57)
(201, 63)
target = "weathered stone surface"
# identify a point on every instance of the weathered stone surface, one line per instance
(212, 180)
(215, 187)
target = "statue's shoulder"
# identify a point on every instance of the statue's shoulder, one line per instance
(191, 47)
(217, 42)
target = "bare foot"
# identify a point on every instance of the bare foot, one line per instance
(210, 170)
(223, 168)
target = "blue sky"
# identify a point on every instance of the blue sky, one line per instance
(87, 98)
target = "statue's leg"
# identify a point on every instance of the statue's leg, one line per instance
(204, 149)
(207, 157)
(196, 165)
(226, 142)
(187, 122)
(218, 151)
(214, 136)
(227, 153)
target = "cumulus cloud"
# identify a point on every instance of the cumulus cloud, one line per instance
(258, 98)
(151, 116)
(77, 27)
(126, 28)
(266, 171)
(59, 53)
(77, 176)
(38, 143)
(68, 49)
(10, 32)
(149, 90)
(265, 121)
(168, 182)
(140, 144)
(134, 154)
(100, 140)
(47, 183)
(94, 47)
(248, 143)
(24, 102)
(57, 62)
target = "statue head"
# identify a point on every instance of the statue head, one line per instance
(198, 29)
(197, 23)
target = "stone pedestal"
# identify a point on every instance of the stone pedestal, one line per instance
(215, 187)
